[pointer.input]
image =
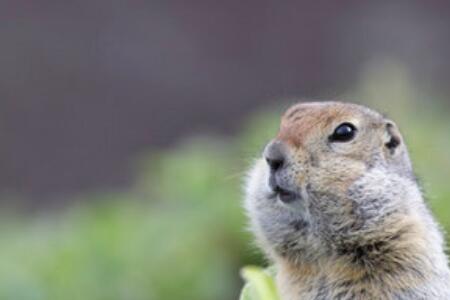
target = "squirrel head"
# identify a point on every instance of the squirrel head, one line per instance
(336, 176)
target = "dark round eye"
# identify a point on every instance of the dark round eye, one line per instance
(343, 133)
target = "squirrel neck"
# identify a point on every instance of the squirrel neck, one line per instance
(408, 255)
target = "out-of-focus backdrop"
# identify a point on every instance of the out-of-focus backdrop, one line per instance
(126, 129)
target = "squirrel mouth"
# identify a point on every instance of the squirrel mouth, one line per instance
(285, 196)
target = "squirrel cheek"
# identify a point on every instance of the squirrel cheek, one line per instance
(301, 180)
(336, 178)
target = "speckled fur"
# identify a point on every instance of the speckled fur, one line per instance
(361, 229)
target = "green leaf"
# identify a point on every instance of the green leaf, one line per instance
(260, 284)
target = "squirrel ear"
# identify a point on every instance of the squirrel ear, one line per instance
(392, 137)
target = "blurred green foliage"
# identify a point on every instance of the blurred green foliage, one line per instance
(179, 232)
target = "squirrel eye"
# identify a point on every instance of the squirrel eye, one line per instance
(343, 133)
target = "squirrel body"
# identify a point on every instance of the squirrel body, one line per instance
(335, 205)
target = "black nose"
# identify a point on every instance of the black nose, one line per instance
(275, 155)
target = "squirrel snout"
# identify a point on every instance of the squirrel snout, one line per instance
(275, 155)
(276, 158)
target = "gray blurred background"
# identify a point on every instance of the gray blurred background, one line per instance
(86, 86)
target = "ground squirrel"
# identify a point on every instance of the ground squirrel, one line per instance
(335, 205)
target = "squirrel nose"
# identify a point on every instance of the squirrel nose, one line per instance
(275, 155)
